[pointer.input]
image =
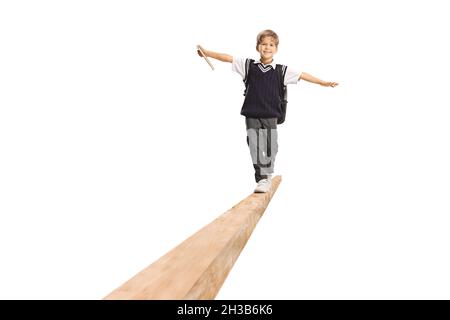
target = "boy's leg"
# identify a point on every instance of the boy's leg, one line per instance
(269, 145)
(262, 141)
(253, 125)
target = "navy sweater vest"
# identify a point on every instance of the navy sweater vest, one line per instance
(262, 99)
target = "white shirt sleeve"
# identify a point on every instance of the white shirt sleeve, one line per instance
(238, 65)
(291, 76)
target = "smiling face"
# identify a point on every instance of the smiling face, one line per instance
(267, 48)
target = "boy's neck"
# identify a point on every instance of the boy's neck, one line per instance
(266, 61)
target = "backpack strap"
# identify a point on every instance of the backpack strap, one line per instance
(281, 71)
(247, 68)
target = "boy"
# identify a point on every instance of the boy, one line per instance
(262, 104)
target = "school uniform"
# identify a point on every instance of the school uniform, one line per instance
(262, 108)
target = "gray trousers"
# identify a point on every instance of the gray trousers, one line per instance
(262, 141)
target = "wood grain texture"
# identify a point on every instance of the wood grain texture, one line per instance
(197, 268)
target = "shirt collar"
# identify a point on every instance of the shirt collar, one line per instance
(273, 64)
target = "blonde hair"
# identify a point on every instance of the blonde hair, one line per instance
(264, 34)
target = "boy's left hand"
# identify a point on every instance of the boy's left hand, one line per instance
(329, 84)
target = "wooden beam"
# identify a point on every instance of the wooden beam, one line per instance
(197, 268)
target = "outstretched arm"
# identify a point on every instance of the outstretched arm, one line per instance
(219, 56)
(310, 78)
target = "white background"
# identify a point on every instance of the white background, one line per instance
(117, 142)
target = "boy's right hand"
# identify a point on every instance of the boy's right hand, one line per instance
(201, 48)
(215, 55)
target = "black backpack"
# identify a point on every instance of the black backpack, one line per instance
(281, 72)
